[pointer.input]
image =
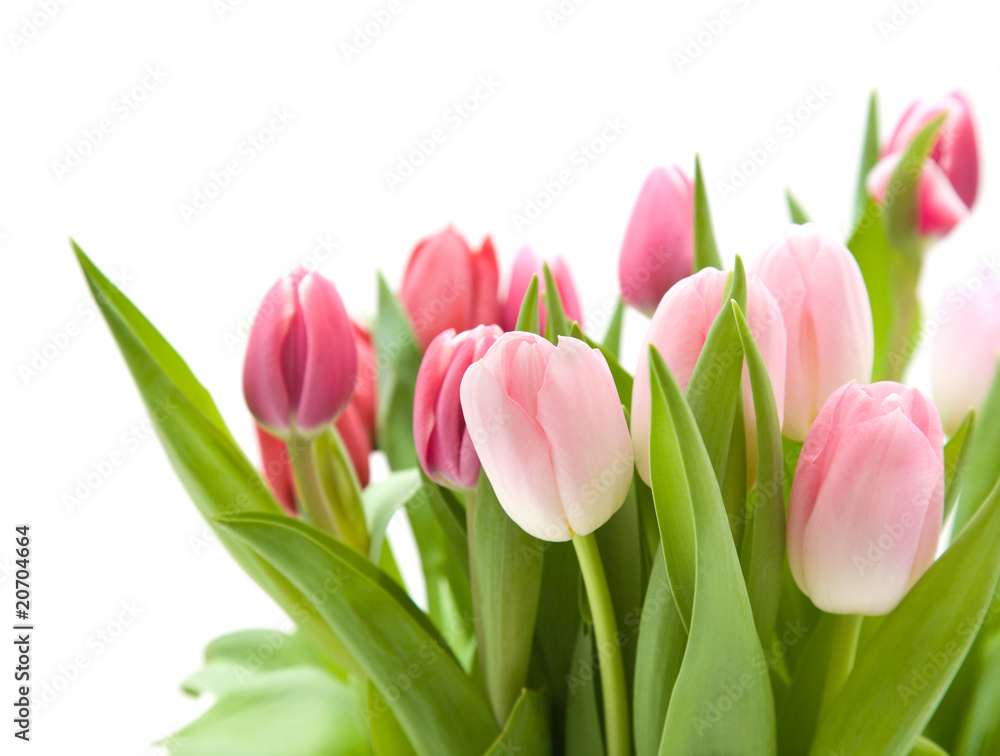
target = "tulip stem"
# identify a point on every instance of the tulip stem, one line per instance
(308, 488)
(846, 629)
(617, 732)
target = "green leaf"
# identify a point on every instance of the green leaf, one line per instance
(706, 254)
(662, 641)
(527, 317)
(869, 157)
(795, 211)
(216, 474)
(763, 552)
(583, 719)
(798, 710)
(507, 569)
(556, 324)
(722, 701)
(981, 727)
(527, 729)
(889, 698)
(901, 211)
(984, 462)
(388, 738)
(382, 500)
(613, 335)
(622, 378)
(956, 461)
(437, 705)
(870, 246)
(398, 355)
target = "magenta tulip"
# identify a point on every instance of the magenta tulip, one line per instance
(444, 446)
(678, 330)
(867, 500)
(549, 429)
(828, 319)
(301, 361)
(447, 285)
(658, 250)
(526, 265)
(939, 208)
(966, 348)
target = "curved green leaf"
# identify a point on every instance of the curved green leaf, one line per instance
(795, 211)
(556, 324)
(869, 157)
(612, 340)
(382, 500)
(527, 730)
(706, 253)
(527, 316)
(956, 461)
(984, 462)
(583, 718)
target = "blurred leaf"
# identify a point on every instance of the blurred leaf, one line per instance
(583, 719)
(706, 254)
(795, 211)
(438, 706)
(556, 324)
(527, 318)
(901, 210)
(398, 355)
(870, 247)
(722, 701)
(382, 500)
(984, 462)
(956, 461)
(388, 738)
(613, 335)
(527, 729)
(869, 157)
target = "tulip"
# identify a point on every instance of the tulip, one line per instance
(955, 151)
(277, 469)
(447, 285)
(366, 388)
(867, 500)
(678, 330)
(939, 208)
(301, 360)
(965, 349)
(354, 433)
(827, 316)
(658, 250)
(549, 429)
(526, 265)
(444, 445)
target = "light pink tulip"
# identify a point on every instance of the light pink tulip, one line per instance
(526, 265)
(865, 512)
(939, 208)
(824, 303)
(301, 362)
(658, 250)
(678, 330)
(447, 285)
(444, 446)
(956, 151)
(966, 348)
(550, 432)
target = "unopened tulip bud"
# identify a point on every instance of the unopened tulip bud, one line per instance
(526, 265)
(867, 500)
(301, 360)
(966, 348)
(444, 446)
(678, 330)
(447, 285)
(549, 429)
(658, 250)
(828, 319)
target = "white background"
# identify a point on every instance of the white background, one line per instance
(137, 538)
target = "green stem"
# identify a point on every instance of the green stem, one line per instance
(308, 488)
(341, 489)
(904, 271)
(846, 629)
(470, 527)
(606, 631)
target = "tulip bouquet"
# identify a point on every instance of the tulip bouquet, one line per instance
(760, 541)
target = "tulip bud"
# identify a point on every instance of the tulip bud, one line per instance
(444, 446)
(549, 429)
(939, 208)
(658, 250)
(966, 348)
(365, 390)
(277, 469)
(447, 285)
(301, 360)
(955, 151)
(828, 319)
(526, 265)
(867, 500)
(678, 330)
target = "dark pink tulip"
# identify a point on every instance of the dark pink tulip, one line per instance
(939, 208)
(277, 469)
(301, 361)
(444, 446)
(658, 250)
(354, 434)
(366, 388)
(447, 285)
(526, 265)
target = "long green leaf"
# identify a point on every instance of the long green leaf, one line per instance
(527, 317)
(437, 705)
(869, 157)
(706, 253)
(612, 341)
(956, 461)
(583, 718)
(556, 324)
(388, 738)
(527, 730)
(798, 709)
(870, 246)
(984, 462)
(382, 500)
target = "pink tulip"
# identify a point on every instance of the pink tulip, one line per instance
(366, 388)
(447, 285)
(658, 250)
(277, 469)
(444, 446)
(939, 208)
(549, 429)
(865, 512)
(955, 152)
(354, 434)
(966, 348)
(301, 361)
(678, 330)
(526, 265)
(828, 319)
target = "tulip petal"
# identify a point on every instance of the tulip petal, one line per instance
(486, 279)
(432, 370)
(264, 386)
